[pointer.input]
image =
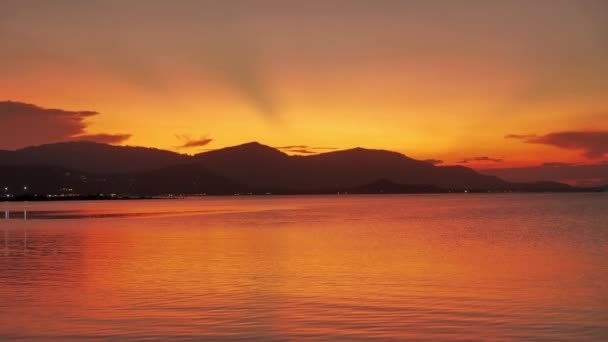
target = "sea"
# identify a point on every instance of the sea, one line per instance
(420, 267)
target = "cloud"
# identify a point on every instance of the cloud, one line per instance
(433, 161)
(191, 143)
(302, 148)
(556, 164)
(302, 151)
(103, 138)
(575, 174)
(323, 148)
(289, 147)
(24, 124)
(481, 159)
(519, 136)
(593, 144)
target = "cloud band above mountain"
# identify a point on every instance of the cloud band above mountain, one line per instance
(24, 124)
(593, 144)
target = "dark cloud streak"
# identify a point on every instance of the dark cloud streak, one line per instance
(481, 159)
(291, 148)
(593, 144)
(302, 151)
(190, 142)
(103, 138)
(577, 174)
(24, 124)
(434, 161)
(519, 136)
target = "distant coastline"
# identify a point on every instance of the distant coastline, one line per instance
(93, 171)
(53, 198)
(47, 198)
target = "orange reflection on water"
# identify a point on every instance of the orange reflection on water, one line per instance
(383, 267)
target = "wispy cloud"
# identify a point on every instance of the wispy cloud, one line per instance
(189, 142)
(304, 149)
(289, 147)
(593, 144)
(434, 161)
(556, 164)
(575, 174)
(103, 138)
(480, 159)
(519, 136)
(323, 148)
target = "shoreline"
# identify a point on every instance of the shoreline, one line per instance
(47, 198)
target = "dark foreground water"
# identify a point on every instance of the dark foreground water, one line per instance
(419, 267)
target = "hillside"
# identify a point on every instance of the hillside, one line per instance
(94, 168)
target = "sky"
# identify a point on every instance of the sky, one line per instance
(486, 84)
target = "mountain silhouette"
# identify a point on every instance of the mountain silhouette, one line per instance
(180, 179)
(92, 168)
(254, 164)
(21, 179)
(264, 167)
(94, 157)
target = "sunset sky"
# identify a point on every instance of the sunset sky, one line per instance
(488, 84)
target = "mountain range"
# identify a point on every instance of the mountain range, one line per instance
(93, 168)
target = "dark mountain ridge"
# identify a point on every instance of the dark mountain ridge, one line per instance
(262, 167)
(95, 168)
(94, 157)
(20, 180)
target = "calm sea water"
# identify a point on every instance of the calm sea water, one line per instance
(419, 267)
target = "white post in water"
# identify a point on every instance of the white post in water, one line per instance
(24, 226)
(6, 217)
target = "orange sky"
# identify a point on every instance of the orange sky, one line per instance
(431, 79)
